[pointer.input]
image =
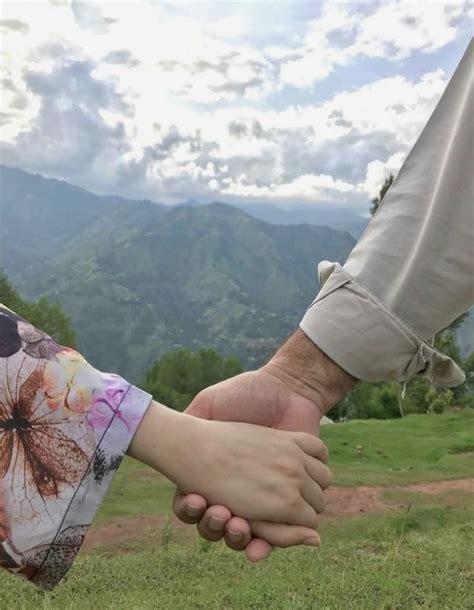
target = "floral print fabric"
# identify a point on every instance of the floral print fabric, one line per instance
(64, 428)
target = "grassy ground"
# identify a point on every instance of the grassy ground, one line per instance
(418, 557)
(402, 451)
(372, 452)
(419, 560)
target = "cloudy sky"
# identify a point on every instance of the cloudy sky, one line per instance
(284, 102)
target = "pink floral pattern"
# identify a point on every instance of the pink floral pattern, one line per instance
(64, 427)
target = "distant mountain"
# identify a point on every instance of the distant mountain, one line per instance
(341, 219)
(39, 217)
(140, 279)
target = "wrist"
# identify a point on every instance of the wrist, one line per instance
(165, 441)
(309, 372)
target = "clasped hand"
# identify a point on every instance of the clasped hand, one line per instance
(272, 479)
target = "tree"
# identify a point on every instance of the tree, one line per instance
(178, 376)
(46, 316)
(374, 206)
(469, 370)
(369, 401)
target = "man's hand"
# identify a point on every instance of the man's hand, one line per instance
(291, 392)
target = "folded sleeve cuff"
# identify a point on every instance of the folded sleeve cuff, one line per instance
(365, 338)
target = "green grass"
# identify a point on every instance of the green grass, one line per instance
(418, 557)
(136, 490)
(415, 560)
(394, 452)
(402, 451)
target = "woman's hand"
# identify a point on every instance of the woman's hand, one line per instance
(291, 393)
(258, 473)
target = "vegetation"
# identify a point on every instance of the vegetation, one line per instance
(376, 201)
(416, 556)
(43, 314)
(177, 377)
(416, 561)
(397, 452)
(140, 280)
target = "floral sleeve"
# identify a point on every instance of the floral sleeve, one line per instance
(64, 428)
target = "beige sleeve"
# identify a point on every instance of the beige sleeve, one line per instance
(412, 271)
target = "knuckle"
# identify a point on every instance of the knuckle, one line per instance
(328, 479)
(308, 438)
(323, 450)
(321, 505)
(292, 502)
(288, 467)
(314, 522)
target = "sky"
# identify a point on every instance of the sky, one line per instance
(292, 103)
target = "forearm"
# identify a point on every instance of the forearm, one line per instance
(411, 273)
(303, 367)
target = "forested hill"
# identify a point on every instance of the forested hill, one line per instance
(139, 279)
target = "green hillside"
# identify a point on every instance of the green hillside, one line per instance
(139, 280)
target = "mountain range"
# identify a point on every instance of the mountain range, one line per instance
(343, 219)
(139, 279)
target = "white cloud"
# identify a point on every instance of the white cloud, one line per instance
(377, 171)
(397, 29)
(309, 187)
(393, 31)
(172, 101)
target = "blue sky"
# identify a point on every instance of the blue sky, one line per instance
(292, 103)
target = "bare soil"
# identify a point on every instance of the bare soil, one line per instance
(350, 501)
(131, 533)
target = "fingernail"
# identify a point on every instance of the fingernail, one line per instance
(312, 541)
(193, 511)
(234, 536)
(216, 524)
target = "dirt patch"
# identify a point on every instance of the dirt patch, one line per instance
(438, 487)
(351, 501)
(132, 533)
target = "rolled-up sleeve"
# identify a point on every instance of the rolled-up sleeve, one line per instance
(64, 428)
(412, 272)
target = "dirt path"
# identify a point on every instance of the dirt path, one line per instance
(436, 487)
(148, 530)
(350, 501)
(130, 533)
